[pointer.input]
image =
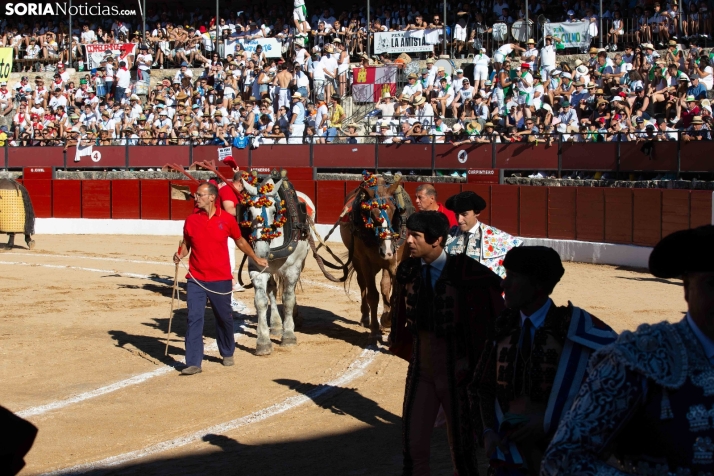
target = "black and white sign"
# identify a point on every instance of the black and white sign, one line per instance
(401, 42)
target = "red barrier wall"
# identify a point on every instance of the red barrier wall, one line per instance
(647, 217)
(504, 209)
(125, 199)
(180, 209)
(700, 208)
(41, 195)
(96, 199)
(627, 216)
(589, 156)
(527, 155)
(18, 157)
(675, 211)
(67, 198)
(590, 214)
(662, 158)
(404, 157)
(112, 156)
(344, 156)
(307, 187)
(534, 212)
(155, 197)
(330, 198)
(210, 152)
(473, 156)
(696, 156)
(158, 155)
(618, 215)
(281, 156)
(561, 213)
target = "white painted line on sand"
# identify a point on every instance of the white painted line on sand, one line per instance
(98, 258)
(355, 370)
(93, 270)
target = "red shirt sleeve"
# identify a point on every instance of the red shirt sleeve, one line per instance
(451, 216)
(226, 194)
(233, 229)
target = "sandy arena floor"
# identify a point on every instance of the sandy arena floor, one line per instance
(82, 332)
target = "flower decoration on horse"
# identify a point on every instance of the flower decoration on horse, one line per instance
(263, 213)
(375, 208)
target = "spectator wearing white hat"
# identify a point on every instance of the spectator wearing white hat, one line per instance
(465, 94)
(530, 55)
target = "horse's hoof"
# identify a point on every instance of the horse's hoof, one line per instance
(386, 320)
(365, 322)
(31, 244)
(288, 341)
(276, 332)
(264, 349)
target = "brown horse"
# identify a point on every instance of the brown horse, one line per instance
(372, 237)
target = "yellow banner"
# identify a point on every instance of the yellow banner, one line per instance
(5, 63)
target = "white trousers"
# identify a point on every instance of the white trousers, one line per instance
(232, 254)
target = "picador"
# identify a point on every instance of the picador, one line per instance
(16, 212)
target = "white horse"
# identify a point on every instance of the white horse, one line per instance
(263, 204)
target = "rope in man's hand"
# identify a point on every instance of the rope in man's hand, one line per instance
(202, 286)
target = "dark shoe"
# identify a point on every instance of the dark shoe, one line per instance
(228, 361)
(192, 370)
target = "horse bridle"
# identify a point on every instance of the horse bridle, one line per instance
(381, 204)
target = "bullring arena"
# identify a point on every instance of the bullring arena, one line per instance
(82, 342)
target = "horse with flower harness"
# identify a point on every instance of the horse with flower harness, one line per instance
(276, 226)
(373, 231)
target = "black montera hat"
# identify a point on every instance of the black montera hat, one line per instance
(538, 262)
(465, 201)
(684, 252)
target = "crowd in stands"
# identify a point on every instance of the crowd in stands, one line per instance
(515, 92)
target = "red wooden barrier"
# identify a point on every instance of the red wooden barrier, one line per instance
(342, 156)
(675, 211)
(589, 156)
(534, 212)
(696, 156)
(700, 208)
(561, 212)
(618, 215)
(210, 152)
(307, 187)
(155, 197)
(473, 156)
(662, 158)
(527, 155)
(18, 157)
(404, 157)
(330, 199)
(111, 156)
(590, 214)
(67, 198)
(281, 156)
(647, 217)
(40, 192)
(96, 199)
(180, 209)
(484, 191)
(504, 208)
(125, 199)
(446, 190)
(158, 155)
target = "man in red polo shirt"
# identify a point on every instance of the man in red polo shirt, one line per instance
(205, 234)
(426, 201)
(229, 202)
